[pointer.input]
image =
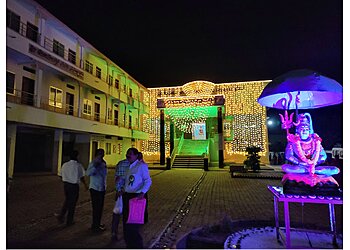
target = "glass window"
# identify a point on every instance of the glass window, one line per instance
(55, 97)
(10, 83)
(116, 115)
(110, 80)
(72, 56)
(32, 32)
(98, 72)
(13, 20)
(109, 114)
(58, 48)
(116, 83)
(88, 66)
(87, 107)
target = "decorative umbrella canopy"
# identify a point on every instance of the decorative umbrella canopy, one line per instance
(312, 89)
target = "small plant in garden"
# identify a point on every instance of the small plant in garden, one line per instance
(252, 162)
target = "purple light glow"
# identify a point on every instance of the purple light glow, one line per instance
(313, 90)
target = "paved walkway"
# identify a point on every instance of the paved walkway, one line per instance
(179, 201)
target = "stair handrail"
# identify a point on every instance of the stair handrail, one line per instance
(207, 153)
(176, 150)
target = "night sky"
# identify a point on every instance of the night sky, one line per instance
(169, 43)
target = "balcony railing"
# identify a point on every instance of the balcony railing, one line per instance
(21, 97)
(23, 29)
(66, 54)
(33, 34)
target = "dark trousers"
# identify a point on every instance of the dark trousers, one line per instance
(71, 192)
(132, 232)
(115, 223)
(97, 200)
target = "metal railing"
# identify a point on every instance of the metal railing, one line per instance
(23, 29)
(26, 98)
(176, 149)
(21, 97)
(67, 55)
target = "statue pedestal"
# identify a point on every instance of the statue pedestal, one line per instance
(280, 196)
(308, 184)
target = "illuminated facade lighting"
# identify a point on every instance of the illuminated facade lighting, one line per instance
(244, 119)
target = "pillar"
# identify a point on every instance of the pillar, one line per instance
(38, 85)
(11, 132)
(59, 144)
(162, 138)
(221, 138)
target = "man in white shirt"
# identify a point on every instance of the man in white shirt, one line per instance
(137, 184)
(72, 172)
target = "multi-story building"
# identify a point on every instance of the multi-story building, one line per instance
(63, 94)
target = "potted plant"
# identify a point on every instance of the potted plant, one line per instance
(252, 162)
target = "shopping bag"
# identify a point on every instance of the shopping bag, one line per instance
(118, 207)
(136, 211)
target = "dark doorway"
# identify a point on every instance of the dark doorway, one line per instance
(33, 151)
(27, 91)
(69, 104)
(97, 112)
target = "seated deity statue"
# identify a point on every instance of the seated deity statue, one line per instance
(305, 154)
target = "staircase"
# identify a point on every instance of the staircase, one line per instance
(188, 161)
(191, 154)
(192, 147)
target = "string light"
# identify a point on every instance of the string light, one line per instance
(244, 123)
(198, 88)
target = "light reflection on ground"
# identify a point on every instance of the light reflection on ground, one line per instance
(265, 237)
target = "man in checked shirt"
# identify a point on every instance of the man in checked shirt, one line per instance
(119, 179)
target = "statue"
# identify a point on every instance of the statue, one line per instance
(305, 153)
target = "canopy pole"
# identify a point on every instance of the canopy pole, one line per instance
(296, 106)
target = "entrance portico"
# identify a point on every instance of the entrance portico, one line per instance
(217, 121)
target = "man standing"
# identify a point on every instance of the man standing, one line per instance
(72, 172)
(120, 171)
(97, 171)
(137, 184)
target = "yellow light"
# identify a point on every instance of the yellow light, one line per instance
(246, 116)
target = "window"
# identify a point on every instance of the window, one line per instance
(109, 114)
(116, 115)
(116, 83)
(10, 83)
(88, 66)
(124, 88)
(13, 20)
(55, 97)
(108, 148)
(98, 72)
(110, 80)
(130, 92)
(58, 48)
(32, 32)
(87, 106)
(72, 56)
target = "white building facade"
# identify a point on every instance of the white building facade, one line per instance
(63, 94)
